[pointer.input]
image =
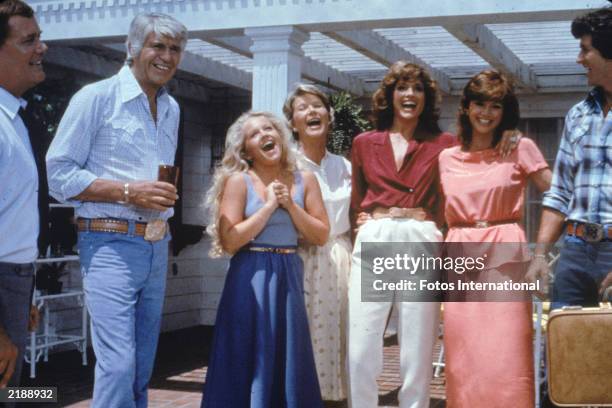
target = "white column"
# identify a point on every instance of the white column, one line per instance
(277, 59)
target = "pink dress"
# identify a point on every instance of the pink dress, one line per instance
(488, 345)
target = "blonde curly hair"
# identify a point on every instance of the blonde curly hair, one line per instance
(235, 161)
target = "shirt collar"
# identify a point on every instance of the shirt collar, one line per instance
(595, 99)
(307, 160)
(10, 104)
(130, 88)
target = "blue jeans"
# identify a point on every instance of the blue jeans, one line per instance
(15, 297)
(124, 279)
(580, 270)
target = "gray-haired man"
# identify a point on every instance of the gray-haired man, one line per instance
(104, 159)
(21, 56)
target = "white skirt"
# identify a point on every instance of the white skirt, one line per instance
(326, 273)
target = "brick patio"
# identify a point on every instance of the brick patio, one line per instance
(180, 370)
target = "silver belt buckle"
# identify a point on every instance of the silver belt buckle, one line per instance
(396, 212)
(155, 230)
(593, 232)
(481, 224)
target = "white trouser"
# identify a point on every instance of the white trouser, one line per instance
(418, 323)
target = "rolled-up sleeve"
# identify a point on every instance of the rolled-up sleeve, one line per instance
(70, 148)
(562, 186)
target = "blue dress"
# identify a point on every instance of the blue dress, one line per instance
(262, 354)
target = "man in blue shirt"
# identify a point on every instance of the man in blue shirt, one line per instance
(104, 159)
(580, 198)
(21, 55)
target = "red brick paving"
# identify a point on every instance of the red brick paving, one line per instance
(180, 370)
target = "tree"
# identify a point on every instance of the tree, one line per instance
(349, 121)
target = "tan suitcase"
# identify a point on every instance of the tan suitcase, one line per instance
(579, 356)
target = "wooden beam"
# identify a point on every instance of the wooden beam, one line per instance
(563, 83)
(82, 61)
(480, 39)
(386, 52)
(325, 75)
(240, 45)
(531, 105)
(210, 69)
(104, 19)
(547, 84)
(312, 70)
(102, 67)
(207, 68)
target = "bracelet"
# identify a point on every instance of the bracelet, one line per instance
(126, 194)
(543, 256)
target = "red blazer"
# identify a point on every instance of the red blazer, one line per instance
(377, 183)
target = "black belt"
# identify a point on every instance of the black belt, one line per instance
(17, 267)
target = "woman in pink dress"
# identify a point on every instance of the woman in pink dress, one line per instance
(489, 349)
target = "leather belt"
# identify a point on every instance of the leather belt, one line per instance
(393, 212)
(272, 249)
(110, 225)
(588, 231)
(482, 223)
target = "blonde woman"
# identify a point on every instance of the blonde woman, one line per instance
(261, 355)
(326, 267)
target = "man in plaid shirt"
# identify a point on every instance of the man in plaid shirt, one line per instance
(580, 198)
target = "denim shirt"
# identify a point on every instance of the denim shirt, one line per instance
(108, 132)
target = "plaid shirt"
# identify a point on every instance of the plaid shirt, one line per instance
(108, 132)
(582, 180)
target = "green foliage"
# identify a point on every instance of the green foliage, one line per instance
(349, 121)
(47, 103)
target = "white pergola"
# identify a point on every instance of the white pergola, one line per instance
(265, 46)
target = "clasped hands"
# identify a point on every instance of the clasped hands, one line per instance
(278, 194)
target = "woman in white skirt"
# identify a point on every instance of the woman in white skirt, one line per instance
(326, 268)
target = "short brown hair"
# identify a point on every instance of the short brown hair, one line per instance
(301, 90)
(8, 9)
(488, 85)
(382, 100)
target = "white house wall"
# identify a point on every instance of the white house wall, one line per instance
(195, 281)
(186, 276)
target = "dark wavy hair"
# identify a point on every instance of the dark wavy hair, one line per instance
(597, 24)
(8, 9)
(382, 100)
(489, 85)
